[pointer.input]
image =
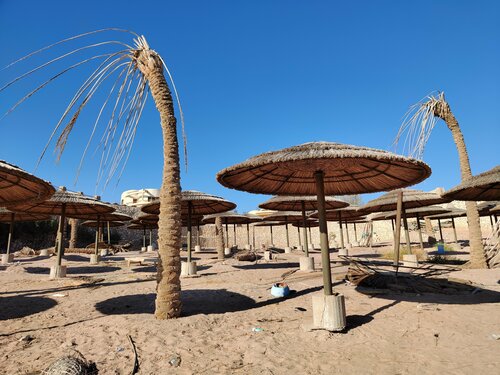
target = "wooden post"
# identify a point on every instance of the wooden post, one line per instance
(11, 230)
(248, 234)
(298, 230)
(304, 230)
(234, 234)
(227, 232)
(407, 232)
(440, 230)
(323, 233)
(420, 233)
(355, 233)
(454, 230)
(190, 212)
(286, 229)
(397, 236)
(97, 234)
(341, 231)
(271, 229)
(347, 233)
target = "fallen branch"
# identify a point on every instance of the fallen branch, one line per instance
(136, 360)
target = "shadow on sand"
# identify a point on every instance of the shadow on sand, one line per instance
(73, 270)
(265, 266)
(153, 268)
(197, 301)
(18, 306)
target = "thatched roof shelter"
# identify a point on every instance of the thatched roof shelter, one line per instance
(411, 199)
(483, 187)
(345, 213)
(6, 216)
(452, 213)
(324, 168)
(420, 212)
(285, 216)
(231, 218)
(484, 208)
(113, 216)
(75, 204)
(310, 223)
(18, 186)
(201, 203)
(93, 223)
(347, 170)
(294, 203)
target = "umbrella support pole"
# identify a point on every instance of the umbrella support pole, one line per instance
(272, 239)
(287, 236)
(234, 235)
(298, 234)
(397, 234)
(227, 232)
(304, 229)
(440, 230)
(253, 237)
(341, 231)
(328, 308)
(347, 234)
(355, 233)
(454, 231)
(94, 258)
(248, 236)
(57, 270)
(8, 257)
(420, 233)
(189, 268)
(407, 232)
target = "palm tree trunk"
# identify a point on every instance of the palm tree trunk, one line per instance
(219, 238)
(168, 296)
(74, 233)
(477, 256)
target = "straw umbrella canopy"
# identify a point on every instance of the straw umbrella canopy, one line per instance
(10, 217)
(301, 203)
(324, 168)
(194, 203)
(66, 204)
(483, 187)
(232, 218)
(452, 213)
(18, 186)
(93, 224)
(419, 212)
(410, 199)
(287, 217)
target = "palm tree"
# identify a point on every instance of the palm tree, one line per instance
(74, 233)
(219, 238)
(418, 124)
(136, 70)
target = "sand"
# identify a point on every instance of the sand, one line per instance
(95, 308)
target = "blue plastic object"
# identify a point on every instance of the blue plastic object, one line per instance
(280, 290)
(440, 248)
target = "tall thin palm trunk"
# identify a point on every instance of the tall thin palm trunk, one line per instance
(477, 256)
(168, 301)
(419, 124)
(219, 238)
(74, 233)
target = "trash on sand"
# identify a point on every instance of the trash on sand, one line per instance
(59, 295)
(119, 349)
(174, 361)
(27, 338)
(257, 329)
(495, 336)
(280, 290)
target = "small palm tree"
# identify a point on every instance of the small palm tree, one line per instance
(418, 125)
(132, 72)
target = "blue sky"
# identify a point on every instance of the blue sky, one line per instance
(262, 75)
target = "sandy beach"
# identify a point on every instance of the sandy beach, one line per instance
(231, 324)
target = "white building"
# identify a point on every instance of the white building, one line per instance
(139, 197)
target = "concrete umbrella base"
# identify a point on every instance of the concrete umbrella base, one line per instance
(94, 259)
(306, 264)
(248, 247)
(329, 312)
(150, 248)
(197, 249)
(344, 252)
(227, 251)
(57, 272)
(104, 252)
(288, 250)
(144, 249)
(44, 253)
(188, 269)
(7, 258)
(268, 255)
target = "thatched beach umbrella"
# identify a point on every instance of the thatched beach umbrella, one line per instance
(483, 187)
(11, 217)
(410, 199)
(301, 203)
(419, 212)
(194, 203)
(18, 186)
(64, 204)
(451, 214)
(324, 168)
(103, 220)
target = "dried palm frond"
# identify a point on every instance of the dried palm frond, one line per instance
(73, 364)
(419, 122)
(116, 71)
